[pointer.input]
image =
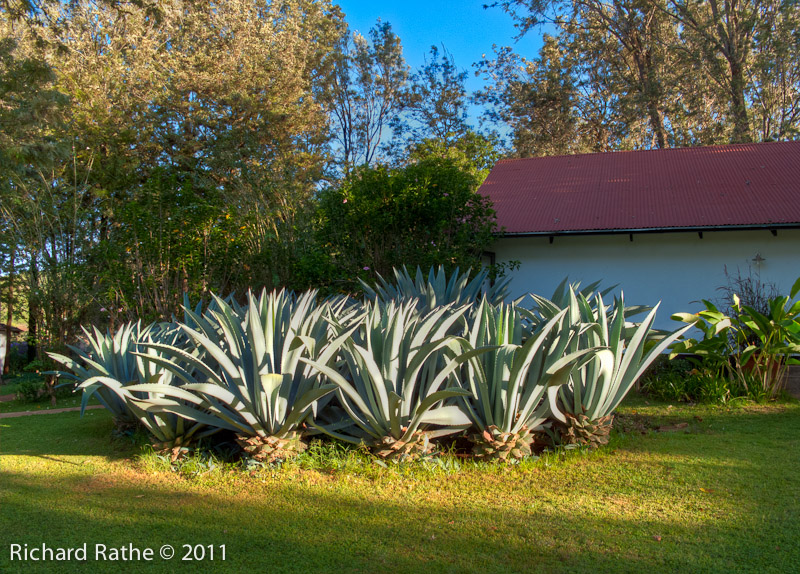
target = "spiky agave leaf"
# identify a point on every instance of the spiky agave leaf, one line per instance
(511, 381)
(389, 382)
(106, 356)
(626, 350)
(112, 371)
(254, 380)
(436, 289)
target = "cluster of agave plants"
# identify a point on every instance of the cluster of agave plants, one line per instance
(409, 363)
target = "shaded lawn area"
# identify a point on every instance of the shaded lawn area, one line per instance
(719, 496)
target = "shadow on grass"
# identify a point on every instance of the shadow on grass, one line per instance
(324, 527)
(475, 523)
(64, 434)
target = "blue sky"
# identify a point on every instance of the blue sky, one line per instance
(464, 27)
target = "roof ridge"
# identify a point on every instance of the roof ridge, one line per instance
(645, 150)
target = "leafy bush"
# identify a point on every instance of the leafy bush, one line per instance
(680, 380)
(424, 214)
(748, 347)
(31, 390)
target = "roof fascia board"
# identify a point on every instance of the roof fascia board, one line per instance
(506, 235)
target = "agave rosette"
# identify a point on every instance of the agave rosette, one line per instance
(595, 390)
(391, 380)
(436, 289)
(249, 375)
(516, 377)
(114, 372)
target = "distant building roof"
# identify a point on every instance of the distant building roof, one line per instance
(4, 329)
(719, 187)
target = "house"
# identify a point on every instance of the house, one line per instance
(4, 330)
(670, 225)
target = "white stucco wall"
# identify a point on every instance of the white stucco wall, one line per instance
(2, 350)
(677, 269)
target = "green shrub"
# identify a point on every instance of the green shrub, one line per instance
(31, 390)
(681, 380)
(750, 348)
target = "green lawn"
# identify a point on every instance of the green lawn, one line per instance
(13, 385)
(718, 496)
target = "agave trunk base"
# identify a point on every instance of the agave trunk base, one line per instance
(582, 431)
(176, 448)
(270, 449)
(390, 448)
(494, 445)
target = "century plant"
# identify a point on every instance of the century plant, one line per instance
(507, 384)
(585, 406)
(107, 357)
(115, 373)
(391, 383)
(545, 308)
(252, 379)
(436, 289)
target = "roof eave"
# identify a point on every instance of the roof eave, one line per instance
(628, 231)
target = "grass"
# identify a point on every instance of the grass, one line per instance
(14, 385)
(717, 496)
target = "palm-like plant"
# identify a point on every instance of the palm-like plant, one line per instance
(251, 377)
(390, 382)
(508, 383)
(585, 406)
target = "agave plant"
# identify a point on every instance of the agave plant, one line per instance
(585, 406)
(391, 383)
(436, 289)
(508, 383)
(544, 308)
(250, 377)
(113, 372)
(109, 357)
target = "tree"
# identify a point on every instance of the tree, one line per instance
(216, 107)
(434, 102)
(426, 213)
(553, 104)
(365, 93)
(728, 59)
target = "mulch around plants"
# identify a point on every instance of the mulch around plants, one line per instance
(6, 398)
(46, 412)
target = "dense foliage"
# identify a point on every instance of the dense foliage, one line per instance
(647, 73)
(156, 148)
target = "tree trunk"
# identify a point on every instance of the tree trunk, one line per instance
(33, 310)
(651, 92)
(9, 313)
(741, 122)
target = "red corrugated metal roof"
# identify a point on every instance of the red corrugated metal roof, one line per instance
(745, 185)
